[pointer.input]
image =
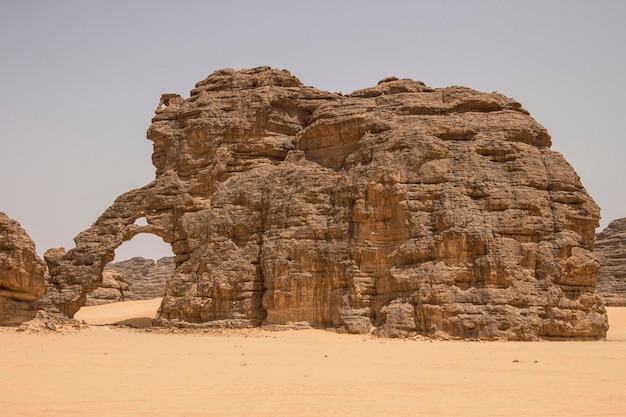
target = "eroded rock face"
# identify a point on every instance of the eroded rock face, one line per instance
(21, 273)
(399, 208)
(611, 251)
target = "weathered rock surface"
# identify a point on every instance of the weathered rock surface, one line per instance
(46, 322)
(21, 273)
(134, 279)
(399, 209)
(610, 248)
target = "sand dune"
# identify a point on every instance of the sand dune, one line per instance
(109, 371)
(126, 312)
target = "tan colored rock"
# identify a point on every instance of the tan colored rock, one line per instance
(21, 273)
(113, 289)
(399, 209)
(610, 248)
(133, 279)
(46, 322)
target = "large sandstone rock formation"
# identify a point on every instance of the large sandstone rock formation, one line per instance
(133, 279)
(21, 273)
(399, 208)
(611, 251)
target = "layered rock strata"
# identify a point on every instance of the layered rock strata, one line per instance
(610, 248)
(21, 274)
(399, 209)
(112, 289)
(133, 279)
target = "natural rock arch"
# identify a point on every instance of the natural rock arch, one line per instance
(399, 208)
(140, 271)
(75, 273)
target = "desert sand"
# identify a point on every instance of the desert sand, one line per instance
(118, 371)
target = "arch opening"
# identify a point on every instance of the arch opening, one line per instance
(141, 221)
(133, 283)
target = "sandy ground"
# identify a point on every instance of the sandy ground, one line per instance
(111, 371)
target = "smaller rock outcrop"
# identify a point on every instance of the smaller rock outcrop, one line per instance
(21, 274)
(610, 249)
(113, 288)
(133, 279)
(50, 322)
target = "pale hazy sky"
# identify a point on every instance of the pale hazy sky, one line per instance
(79, 81)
